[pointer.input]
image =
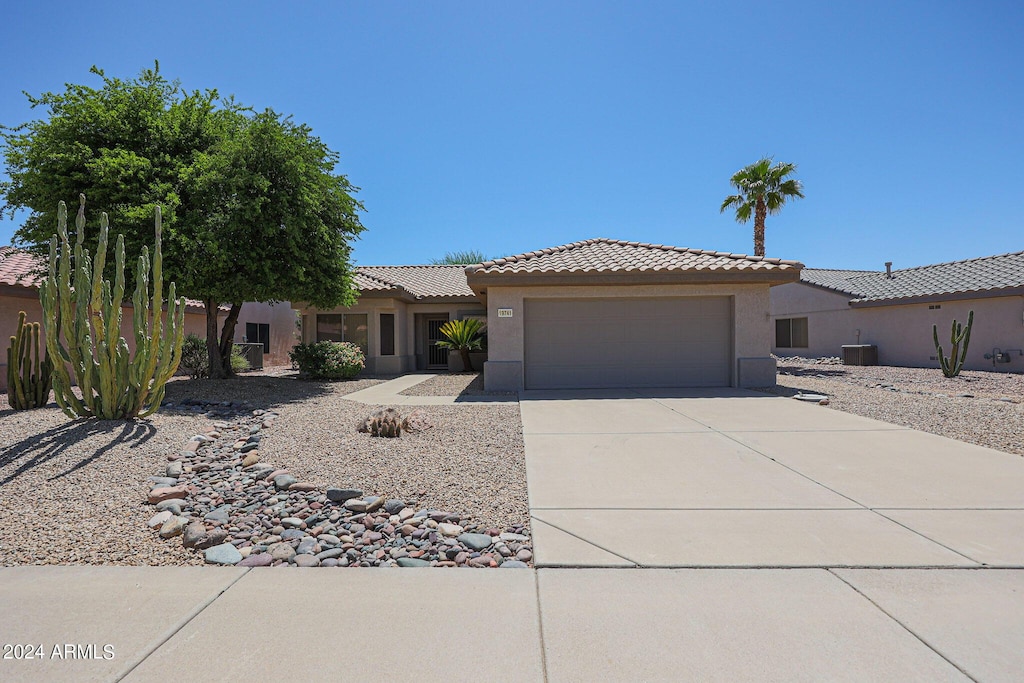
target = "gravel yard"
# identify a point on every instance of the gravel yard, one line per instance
(453, 384)
(74, 492)
(977, 407)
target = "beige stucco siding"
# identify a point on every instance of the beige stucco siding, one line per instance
(751, 328)
(13, 302)
(284, 332)
(406, 350)
(902, 333)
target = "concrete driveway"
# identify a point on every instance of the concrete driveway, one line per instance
(731, 478)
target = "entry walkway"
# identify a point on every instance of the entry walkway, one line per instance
(389, 393)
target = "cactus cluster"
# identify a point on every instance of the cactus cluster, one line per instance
(28, 372)
(85, 310)
(959, 337)
(385, 422)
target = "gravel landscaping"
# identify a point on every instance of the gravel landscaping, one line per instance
(983, 408)
(453, 384)
(75, 492)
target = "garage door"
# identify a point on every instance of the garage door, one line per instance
(596, 343)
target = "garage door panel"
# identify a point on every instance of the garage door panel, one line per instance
(592, 343)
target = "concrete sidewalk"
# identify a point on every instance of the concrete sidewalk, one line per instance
(389, 393)
(217, 624)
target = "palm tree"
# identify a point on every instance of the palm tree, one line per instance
(762, 190)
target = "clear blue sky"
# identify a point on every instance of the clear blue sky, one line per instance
(508, 127)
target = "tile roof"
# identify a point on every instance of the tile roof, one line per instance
(988, 274)
(606, 255)
(16, 266)
(421, 282)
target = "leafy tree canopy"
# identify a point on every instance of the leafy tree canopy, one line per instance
(762, 189)
(253, 210)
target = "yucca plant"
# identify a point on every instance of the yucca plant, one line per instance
(462, 336)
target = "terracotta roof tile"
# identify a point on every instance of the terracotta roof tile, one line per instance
(16, 266)
(987, 274)
(419, 281)
(606, 255)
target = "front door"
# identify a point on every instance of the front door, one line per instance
(437, 357)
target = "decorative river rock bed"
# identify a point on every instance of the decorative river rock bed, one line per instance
(218, 498)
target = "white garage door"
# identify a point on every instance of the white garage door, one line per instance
(598, 343)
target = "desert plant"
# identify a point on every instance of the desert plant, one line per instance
(762, 190)
(28, 378)
(193, 356)
(86, 312)
(328, 359)
(239, 363)
(958, 335)
(462, 336)
(386, 422)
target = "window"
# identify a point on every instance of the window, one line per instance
(791, 333)
(258, 333)
(350, 327)
(387, 334)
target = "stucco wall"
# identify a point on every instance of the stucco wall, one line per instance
(284, 333)
(751, 327)
(405, 313)
(903, 333)
(13, 301)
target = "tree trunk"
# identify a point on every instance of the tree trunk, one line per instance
(216, 367)
(219, 346)
(466, 365)
(760, 211)
(227, 339)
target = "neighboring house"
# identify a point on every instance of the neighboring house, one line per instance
(19, 291)
(896, 309)
(598, 313)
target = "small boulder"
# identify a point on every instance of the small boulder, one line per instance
(173, 527)
(417, 421)
(251, 458)
(225, 553)
(336, 495)
(166, 493)
(283, 481)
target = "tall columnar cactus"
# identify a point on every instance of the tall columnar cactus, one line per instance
(959, 335)
(28, 377)
(86, 312)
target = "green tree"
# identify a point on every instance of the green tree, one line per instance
(460, 258)
(762, 189)
(253, 210)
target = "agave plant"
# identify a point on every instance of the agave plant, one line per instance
(462, 336)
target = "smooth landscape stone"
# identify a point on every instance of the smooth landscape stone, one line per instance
(475, 541)
(251, 459)
(513, 564)
(159, 518)
(201, 438)
(306, 561)
(292, 534)
(329, 539)
(394, 506)
(174, 469)
(259, 560)
(412, 562)
(173, 527)
(374, 503)
(329, 562)
(524, 555)
(283, 481)
(249, 446)
(172, 505)
(159, 482)
(513, 538)
(357, 505)
(306, 546)
(221, 514)
(450, 529)
(328, 554)
(224, 553)
(167, 493)
(302, 486)
(281, 551)
(197, 536)
(291, 522)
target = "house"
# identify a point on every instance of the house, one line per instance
(896, 309)
(275, 325)
(598, 313)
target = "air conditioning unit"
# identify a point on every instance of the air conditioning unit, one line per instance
(860, 354)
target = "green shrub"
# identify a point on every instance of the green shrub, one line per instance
(328, 360)
(238, 361)
(194, 358)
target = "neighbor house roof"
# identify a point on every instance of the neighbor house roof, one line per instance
(607, 260)
(415, 282)
(17, 267)
(978, 277)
